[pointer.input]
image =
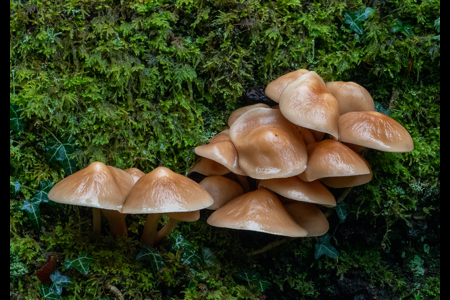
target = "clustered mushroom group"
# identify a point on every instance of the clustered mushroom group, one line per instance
(267, 172)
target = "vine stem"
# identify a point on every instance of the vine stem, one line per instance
(52, 134)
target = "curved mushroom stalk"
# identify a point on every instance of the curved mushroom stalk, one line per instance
(96, 220)
(166, 230)
(116, 221)
(150, 229)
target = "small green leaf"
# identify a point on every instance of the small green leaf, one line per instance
(149, 254)
(15, 122)
(209, 258)
(16, 188)
(59, 151)
(48, 293)
(58, 282)
(341, 209)
(262, 284)
(247, 275)
(180, 242)
(406, 29)
(34, 213)
(324, 247)
(81, 263)
(41, 196)
(354, 19)
(189, 255)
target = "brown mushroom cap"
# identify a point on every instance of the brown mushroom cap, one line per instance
(97, 185)
(238, 112)
(308, 216)
(350, 96)
(297, 189)
(374, 130)
(259, 210)
(135, 173)
(209, 167)
(348, 181)
(189, 216)
(275, 88)
(330, 158)
(221, 189)
(222, 150)
(308, 103)
(163, 190)
(268, 145)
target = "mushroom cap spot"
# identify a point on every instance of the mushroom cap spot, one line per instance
(221, 189)
(350, 96)
(209, 167)
(268, 145)
(189, 216)
(374, 130)
(259, 210)
(163, 190)
(330, 158)
(348, 181)
(275, 88)
(135, 173)
(297, 189)
(308, 216)
(308, 103)
(97, 185)
(221, 149)
(238, 112)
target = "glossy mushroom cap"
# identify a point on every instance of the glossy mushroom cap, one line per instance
(163, 190)
(308, 216)
(348, 181)
(135, 173)
(221, 150)
(275, 88)
(259, 210)
(350, 96)
(221, 189)
(189, 216)
(268, 145)
(97, 185)
(297, 189)
(330, 158)
(238, 112)
(374, 130)
(209, 167)
(308, 103)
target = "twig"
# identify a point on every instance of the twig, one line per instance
(115, 291)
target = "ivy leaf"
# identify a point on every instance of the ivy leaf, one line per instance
(324, 247)
(149, 254)
(81, 263)
(407, 29)
(189, 255)
(208, 257)
(180, 242)
(15, 122)
(34, 213)
(59, 281)
(16, 188)
(59, 151)
(48, 293)
(355, 18)
(41, 196)
(253, 277)
(262, 284)
(341, 209)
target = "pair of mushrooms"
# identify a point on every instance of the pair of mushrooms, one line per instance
(117, 192)
(292, 151)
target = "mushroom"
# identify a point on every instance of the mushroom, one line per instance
(268, 146)
(98, 186)
(350, 96)
(308, 103)
(135, 173)
(330, 158)
(164, 191)
(209, 167)
(221, 189)
(374, 130)
(297, 189)
(259, 210)
(238, 112)
(275, 88)
(348, 181)
(308, 216)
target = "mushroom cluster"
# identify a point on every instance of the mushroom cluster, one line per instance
(271, 168)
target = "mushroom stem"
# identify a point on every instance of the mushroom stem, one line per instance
(243, 181)
(150, 228)
(96, 220)
(116, 221)
(166, 230)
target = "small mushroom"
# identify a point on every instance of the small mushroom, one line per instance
(238, 112)
(275, 88)
(308, 216)
(348, 181)
(209, 167)
(350, 96)
(135, 173)
(221, 189)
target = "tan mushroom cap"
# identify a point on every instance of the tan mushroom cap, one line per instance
(308, 103)
(348, 181)
(163, 190)
(350, 96)
(222, 150)
(275, 88)
(189, 216)
(209, 167)
(97, 185)
(374, 130)
(297, 189)
(221, 189)
(268, 145)
(330, 158)
(307, 135)
(318, 136)
(259, 210)
(238, 112)
(135, 173)
(308, 216)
